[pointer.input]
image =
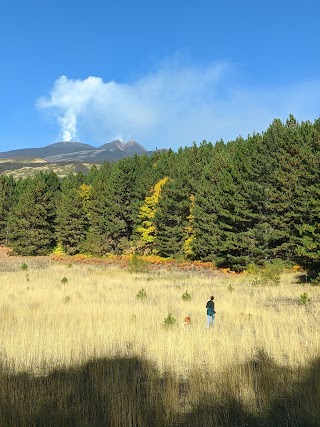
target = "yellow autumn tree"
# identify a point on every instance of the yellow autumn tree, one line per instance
(187, 245)
(85, 194)
(147, 228)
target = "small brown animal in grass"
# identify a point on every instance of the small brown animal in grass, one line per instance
(187, 320)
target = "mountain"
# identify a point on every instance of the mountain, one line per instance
(130, 147)
(79, 152)
(49, 150)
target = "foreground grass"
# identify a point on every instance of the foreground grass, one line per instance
(260, 362)
(131, 392)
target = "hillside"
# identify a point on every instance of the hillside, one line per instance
(77, 151)
(22, 168)
(49, 150)
(65, 157)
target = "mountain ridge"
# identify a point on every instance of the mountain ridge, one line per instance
(73, 151)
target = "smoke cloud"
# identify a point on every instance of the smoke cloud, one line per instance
(68, 124)
(174, 106)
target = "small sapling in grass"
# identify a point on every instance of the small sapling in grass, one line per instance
(169, 321)
(230, 288)
(137, 264)
(304, 299)
(186, 296)
(142, 294)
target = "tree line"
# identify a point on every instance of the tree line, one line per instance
(246, 201)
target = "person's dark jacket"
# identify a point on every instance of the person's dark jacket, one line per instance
(210, 308)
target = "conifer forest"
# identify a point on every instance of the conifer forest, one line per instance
(236, 203)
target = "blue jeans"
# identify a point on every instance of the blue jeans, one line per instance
(210, 320)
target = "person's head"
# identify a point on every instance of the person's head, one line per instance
(212, 297)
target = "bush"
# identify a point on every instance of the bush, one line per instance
(271, 271)
(230, 288)
(141, 294)
(24, 266)
(304, 299)
(253, 269)
(186, 296)
(137, 264)
(64, 280)
(269, 274)
(58, 250)
(169, 321)
(315, 281)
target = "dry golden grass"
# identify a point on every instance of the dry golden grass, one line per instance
(46, 324)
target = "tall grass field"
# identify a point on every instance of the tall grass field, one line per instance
(91, 345)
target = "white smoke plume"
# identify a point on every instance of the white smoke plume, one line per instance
(69, 99)
(174, 106)
(68, 124)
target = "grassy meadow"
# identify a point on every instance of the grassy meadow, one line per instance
(63, 324)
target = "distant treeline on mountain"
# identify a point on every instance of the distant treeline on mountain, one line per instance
(246, 201)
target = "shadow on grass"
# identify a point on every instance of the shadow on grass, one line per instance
(130, 392)
(283, 397)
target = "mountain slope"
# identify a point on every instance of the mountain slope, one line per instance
(131, 147)
(79, 152)
(49, 150)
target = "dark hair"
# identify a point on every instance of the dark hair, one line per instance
(212, 297)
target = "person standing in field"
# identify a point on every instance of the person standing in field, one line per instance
(210, 312)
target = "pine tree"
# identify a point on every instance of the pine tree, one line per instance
(7, 200)
(96, 238)
(119, 203)
(31, 221)
(171, 219)
(307, 226)
(71, 221)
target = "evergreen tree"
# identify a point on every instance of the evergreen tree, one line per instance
(307, 227)
(31, 221)
(171, 219)
(7, 200)
(96, 237)
(71, 221)
(119, 201)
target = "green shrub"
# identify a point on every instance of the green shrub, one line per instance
(315, 281)
(64, 280)
(304, 299)
(24, 266)
(256, 282)
(253, 269)
(58, 250)
(186, 296)
(269, 274)
(142, 294)
(137, 264)
(230, 288)
(169, 321)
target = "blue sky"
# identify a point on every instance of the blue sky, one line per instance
(163, 73)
